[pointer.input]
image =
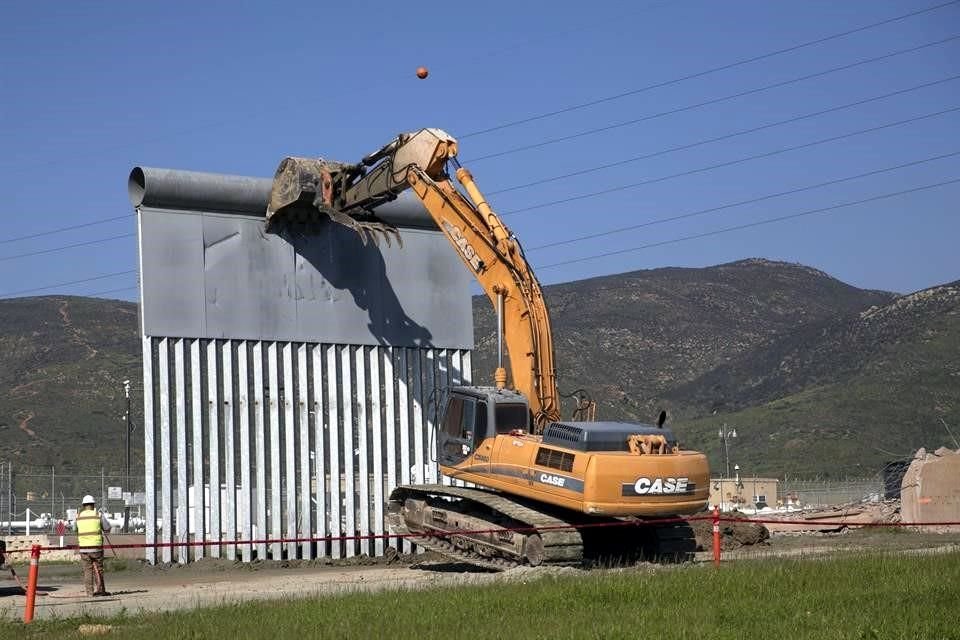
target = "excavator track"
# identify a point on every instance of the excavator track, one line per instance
(514, 533)
(532, 536)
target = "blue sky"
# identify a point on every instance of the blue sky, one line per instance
(90, 90)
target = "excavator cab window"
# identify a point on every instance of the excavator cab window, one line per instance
(512, 416)
(480, 427)
(457, 432)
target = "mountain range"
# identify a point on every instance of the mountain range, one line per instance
(819, 378)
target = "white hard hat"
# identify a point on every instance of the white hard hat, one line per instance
(88, 499)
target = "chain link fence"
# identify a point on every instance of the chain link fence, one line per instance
(52, 495)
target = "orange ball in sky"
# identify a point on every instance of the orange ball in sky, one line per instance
(422, 72)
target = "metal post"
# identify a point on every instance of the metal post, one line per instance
(53, 492)
(716, 535)
(726, 457)
(10, 499)
(32, 583)
(725, 435)
(126, 479)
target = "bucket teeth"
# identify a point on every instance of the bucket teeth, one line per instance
(367, 229)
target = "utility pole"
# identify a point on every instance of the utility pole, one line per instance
(725, 435)
(126, 507)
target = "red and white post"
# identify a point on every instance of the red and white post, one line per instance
(716, 536)
(32, 583)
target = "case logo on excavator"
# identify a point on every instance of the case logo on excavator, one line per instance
(556, 481)
(465, 248)
(657, 486)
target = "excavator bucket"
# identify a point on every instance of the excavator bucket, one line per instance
(305, 191)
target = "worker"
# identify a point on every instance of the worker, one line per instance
(90, 527)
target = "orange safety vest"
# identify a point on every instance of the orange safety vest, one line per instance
(89, 529)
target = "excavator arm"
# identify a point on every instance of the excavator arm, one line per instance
(419, 161)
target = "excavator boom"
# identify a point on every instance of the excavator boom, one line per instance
(418, 161)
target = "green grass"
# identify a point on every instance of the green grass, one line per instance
(854, 597)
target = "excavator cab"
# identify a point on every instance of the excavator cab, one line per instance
(473, 414)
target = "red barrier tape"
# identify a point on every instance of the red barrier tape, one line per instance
(441, 534)
(842, 523)
(374, 536)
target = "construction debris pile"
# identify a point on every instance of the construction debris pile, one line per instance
(929, 492)
(833, 518)
(931, 489)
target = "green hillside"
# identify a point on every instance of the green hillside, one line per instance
(819, 377)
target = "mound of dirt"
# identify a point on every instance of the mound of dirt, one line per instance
(733, 535)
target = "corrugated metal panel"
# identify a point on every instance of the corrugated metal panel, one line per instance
(303, 429)
(149, 463)
(229, 475)
(181, 426)
(243, 409)
(213, 424)
(166, 499)
(261, 445)
(330, 459)
(289, 459)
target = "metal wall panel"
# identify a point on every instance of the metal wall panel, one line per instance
(243, 408)
(213, 439)
(289, 459)
(303, 429)
(289, 380)
(276, 515)
(216, 275)
(166, 499)
(181, 425)
(229, 476)
(149, 450)
(199, 518)
(345, 436)
(334, 426)
(260, 532)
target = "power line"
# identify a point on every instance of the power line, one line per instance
(651, 180)
(706, 72)
(627, 123)
(692, 214)
(102, 293)
(580, 28)
(748, 225)
(70, 228)
(611, 164)
(71, 282)
(609, 98)
(729, 163)
(728, 136)
(66, 246)
(649, 223)
(272, 107)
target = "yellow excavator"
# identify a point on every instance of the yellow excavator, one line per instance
(546, 491)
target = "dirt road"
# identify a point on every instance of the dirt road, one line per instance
(138, 587)
(60, 592)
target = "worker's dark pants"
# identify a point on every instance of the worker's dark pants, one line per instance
(92, 571)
